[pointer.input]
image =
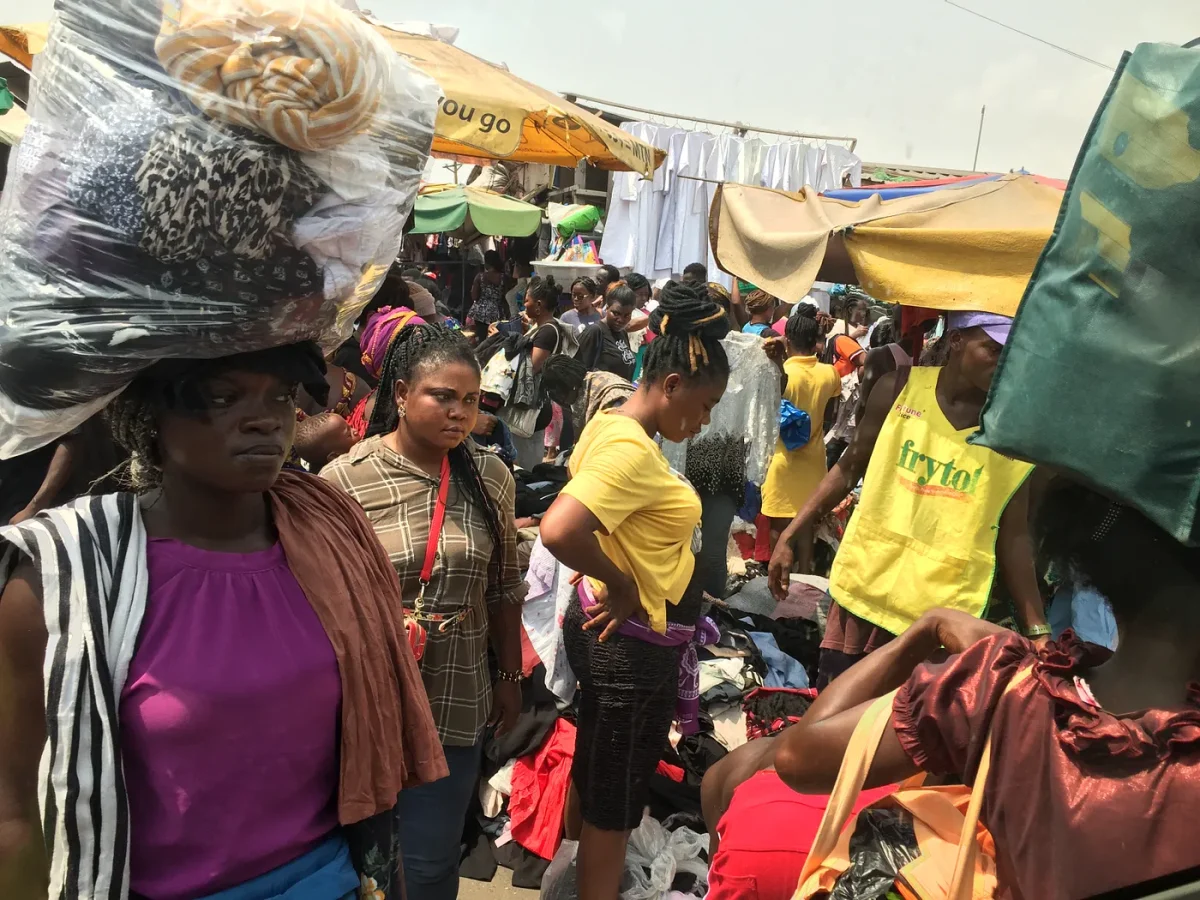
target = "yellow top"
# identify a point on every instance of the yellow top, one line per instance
(924, 533)
(795, 474)
(619, 474)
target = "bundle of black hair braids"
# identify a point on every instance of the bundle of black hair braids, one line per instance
(413, 345)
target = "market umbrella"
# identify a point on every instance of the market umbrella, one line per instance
(23, 42)
(447, 208)
(961, 247)
(489, 112)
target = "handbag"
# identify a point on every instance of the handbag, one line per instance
(949, 864)
(415, 618)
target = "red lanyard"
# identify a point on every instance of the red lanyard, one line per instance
(435, 526)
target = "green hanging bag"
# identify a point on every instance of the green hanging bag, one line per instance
(1101, 374)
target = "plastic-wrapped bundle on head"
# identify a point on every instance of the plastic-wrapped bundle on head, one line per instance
(200, 179)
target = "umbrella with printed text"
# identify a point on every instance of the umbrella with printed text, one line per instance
(486, 112)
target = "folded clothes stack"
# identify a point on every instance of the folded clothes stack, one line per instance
(208, 178)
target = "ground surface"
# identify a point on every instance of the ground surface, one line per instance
(500, 887)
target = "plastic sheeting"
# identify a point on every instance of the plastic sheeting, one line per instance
(652, 860)
(224, 177)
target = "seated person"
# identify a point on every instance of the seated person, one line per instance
(760, 830)
(1096, 755)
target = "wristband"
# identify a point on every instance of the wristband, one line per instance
(1037, 631)
(515, 676)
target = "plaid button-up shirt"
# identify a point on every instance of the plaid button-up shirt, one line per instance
(399, 499)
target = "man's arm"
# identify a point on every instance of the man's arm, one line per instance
(833, 489)
(1014, 559)
(879, 363)
(66, 455)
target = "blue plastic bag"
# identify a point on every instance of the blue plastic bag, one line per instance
(795, 426)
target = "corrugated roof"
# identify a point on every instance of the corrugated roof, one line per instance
(911, 173)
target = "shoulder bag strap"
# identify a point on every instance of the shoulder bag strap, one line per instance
(964, 867)
(435, 531)
(860, 753)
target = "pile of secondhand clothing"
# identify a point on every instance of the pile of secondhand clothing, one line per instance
(754, 682)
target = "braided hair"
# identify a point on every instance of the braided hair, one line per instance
(131, 418)
(802, 332)
(689, 328)
(414, 347)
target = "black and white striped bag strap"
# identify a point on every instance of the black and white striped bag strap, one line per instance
(91, 558)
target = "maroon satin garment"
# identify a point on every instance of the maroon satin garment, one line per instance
(1079, 801)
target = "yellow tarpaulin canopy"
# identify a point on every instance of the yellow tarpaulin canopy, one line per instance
(12, 126)
(490, 112)
(970, 247)
(487, 112)
(23, 42)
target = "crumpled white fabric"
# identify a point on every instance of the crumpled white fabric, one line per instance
(493, 791)
(719, 671)
(351, 232)
(354, 170)
(549, 593)
(749, 407)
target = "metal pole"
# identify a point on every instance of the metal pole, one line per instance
(979, 140)
(737, 126)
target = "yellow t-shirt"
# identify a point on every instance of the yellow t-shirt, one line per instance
(621, 476)
(794, 475)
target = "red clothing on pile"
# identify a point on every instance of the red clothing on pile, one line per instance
(539, 792)
(1079, 801)
(765, 837)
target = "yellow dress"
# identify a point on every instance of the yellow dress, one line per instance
(795, 474)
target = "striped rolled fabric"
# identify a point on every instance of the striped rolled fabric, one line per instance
(309, 75)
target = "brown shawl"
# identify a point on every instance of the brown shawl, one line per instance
(388, 738)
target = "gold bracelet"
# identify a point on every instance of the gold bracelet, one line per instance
(1037, 631)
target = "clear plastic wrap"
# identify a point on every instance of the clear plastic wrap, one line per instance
(200, 178)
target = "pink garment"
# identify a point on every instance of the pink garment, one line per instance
(379, 332)
(539, 792)
(229, 723)
(554, 429)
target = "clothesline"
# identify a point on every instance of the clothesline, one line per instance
(737, 127)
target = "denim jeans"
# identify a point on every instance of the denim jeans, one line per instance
(431, 827)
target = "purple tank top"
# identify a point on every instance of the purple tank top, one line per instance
(229, 723)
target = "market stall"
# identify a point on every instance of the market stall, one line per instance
(972, 246)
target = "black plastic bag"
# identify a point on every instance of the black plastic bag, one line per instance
(883, 843)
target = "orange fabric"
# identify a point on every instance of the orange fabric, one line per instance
(388, 739)
(845, 350)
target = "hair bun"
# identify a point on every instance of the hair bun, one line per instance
(684, 311)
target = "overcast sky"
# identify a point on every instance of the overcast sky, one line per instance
(906, 77)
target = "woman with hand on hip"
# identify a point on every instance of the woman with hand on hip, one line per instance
(443, 510)
(628, 522)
